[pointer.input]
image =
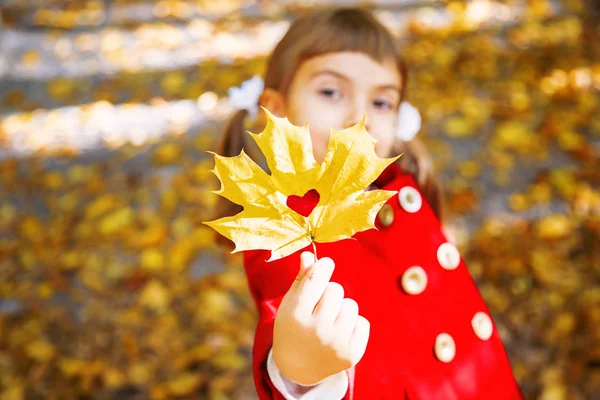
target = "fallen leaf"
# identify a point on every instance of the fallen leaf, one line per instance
(14, 392)
(140, 373)
(155, 296)
(116, 221)
(554, 226)
(40, 350)
(184, 384)
(152, 260)
(113, 378)
(167, 153)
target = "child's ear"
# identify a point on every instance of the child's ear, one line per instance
(273, 101)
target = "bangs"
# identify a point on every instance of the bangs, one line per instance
(348, 30)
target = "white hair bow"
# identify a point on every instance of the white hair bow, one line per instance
(409, 122)
(246, 96)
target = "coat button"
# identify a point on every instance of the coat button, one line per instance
(410, 199)
(482, 325)
(445, 348)
(414, 280)
(386, 215)
(448, 256)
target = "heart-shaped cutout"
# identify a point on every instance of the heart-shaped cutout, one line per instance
(305, 204)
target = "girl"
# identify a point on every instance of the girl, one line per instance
(395, 313)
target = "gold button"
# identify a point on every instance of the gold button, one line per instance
(482, 325)
(414, 280)
(445, 348)
(448, 256)
(386, 215)
(410, 199)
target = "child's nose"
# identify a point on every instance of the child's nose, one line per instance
(355, 115)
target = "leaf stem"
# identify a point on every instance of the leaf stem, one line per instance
(312, 238)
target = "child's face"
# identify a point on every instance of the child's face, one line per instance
(336, 90)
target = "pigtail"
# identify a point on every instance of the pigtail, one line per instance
(233, 140)
(231, 144)
(417, 161)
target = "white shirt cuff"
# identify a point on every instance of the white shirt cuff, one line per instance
(333, 387)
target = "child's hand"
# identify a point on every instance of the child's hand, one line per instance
(317, 331)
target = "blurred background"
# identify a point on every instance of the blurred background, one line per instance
(111, 287)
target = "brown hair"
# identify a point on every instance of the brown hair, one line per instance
(322, 32)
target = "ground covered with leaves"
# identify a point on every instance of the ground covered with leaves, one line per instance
(112, 288)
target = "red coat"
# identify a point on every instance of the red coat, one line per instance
(401, 360)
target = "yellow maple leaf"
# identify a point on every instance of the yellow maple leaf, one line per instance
(344, 207)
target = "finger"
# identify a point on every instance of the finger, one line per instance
(312, 286)
(359, 339)
(307, 259)
(330, 304)
(346, 320)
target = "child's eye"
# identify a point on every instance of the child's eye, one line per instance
(383, 104)
(331, 93)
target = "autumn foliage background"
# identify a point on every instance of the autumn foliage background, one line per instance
(111, 287)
